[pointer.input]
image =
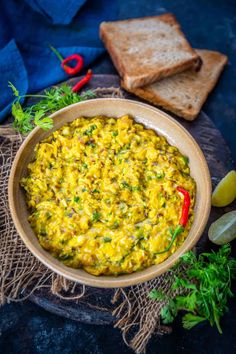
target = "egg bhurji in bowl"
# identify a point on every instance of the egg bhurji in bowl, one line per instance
(103, 195)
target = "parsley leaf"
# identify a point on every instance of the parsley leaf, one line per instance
(169, 312)
(45, 123)
(14, 89)
(204, 283)
(37, 114)
(156, 295)
(189, 320)
(23, 120)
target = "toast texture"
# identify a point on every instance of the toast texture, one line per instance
(185, 93)
(146, 49)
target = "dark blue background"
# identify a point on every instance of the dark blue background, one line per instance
(25, 328)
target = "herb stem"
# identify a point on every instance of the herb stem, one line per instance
(32, 96)
(55, 51)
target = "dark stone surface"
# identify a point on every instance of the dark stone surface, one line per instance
(26, 328)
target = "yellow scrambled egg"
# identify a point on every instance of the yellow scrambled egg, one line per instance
(102, 195)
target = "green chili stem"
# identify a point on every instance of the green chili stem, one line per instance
(60, 57)
(179, 229)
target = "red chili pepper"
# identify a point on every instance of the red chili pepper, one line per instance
(68, 69)
(77, 68)
(186, 205)
(83, 81)
(183, 219)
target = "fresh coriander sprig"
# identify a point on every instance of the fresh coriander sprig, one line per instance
(53, 99)
(206, 287)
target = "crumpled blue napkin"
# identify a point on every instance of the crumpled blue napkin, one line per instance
(27, 29)
(58, 12)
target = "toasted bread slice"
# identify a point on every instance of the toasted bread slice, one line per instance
(185, 93)
(147, 49)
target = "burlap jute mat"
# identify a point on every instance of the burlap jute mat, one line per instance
(138, 317)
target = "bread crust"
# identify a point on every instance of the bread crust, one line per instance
(133, 83)
(212, 60)
(137, 79)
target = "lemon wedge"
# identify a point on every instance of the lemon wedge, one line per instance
(223, 230)
(225, 191)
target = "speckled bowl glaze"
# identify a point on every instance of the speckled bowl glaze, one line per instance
(152, 118)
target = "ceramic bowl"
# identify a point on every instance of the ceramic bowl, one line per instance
(152, 118)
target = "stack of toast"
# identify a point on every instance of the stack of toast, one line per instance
(157, 63)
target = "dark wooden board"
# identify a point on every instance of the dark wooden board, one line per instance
(96, 307)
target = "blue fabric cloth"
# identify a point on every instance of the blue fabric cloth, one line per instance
(27, 29)
(58, 12)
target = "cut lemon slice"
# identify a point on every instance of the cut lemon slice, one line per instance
(223, 230)
(225, 191)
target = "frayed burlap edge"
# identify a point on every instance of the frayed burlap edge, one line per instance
(138, 317)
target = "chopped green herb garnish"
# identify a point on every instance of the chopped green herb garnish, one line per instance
(85, 165)
(115, 225)
(48, 215)
(160, 175)
(145, 161)
(124, 149)
(186, 160)
(96, 216)
(106, 239)
(136, 188)
(115, 133)
(125, 185)
(90, 130)
(36, 214)
(91, 143)
(65, 257)
(76, 199)
(95, 191)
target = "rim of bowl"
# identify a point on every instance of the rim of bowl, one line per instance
(123, 280)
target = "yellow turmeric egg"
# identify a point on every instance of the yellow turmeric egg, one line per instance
(102, 195)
